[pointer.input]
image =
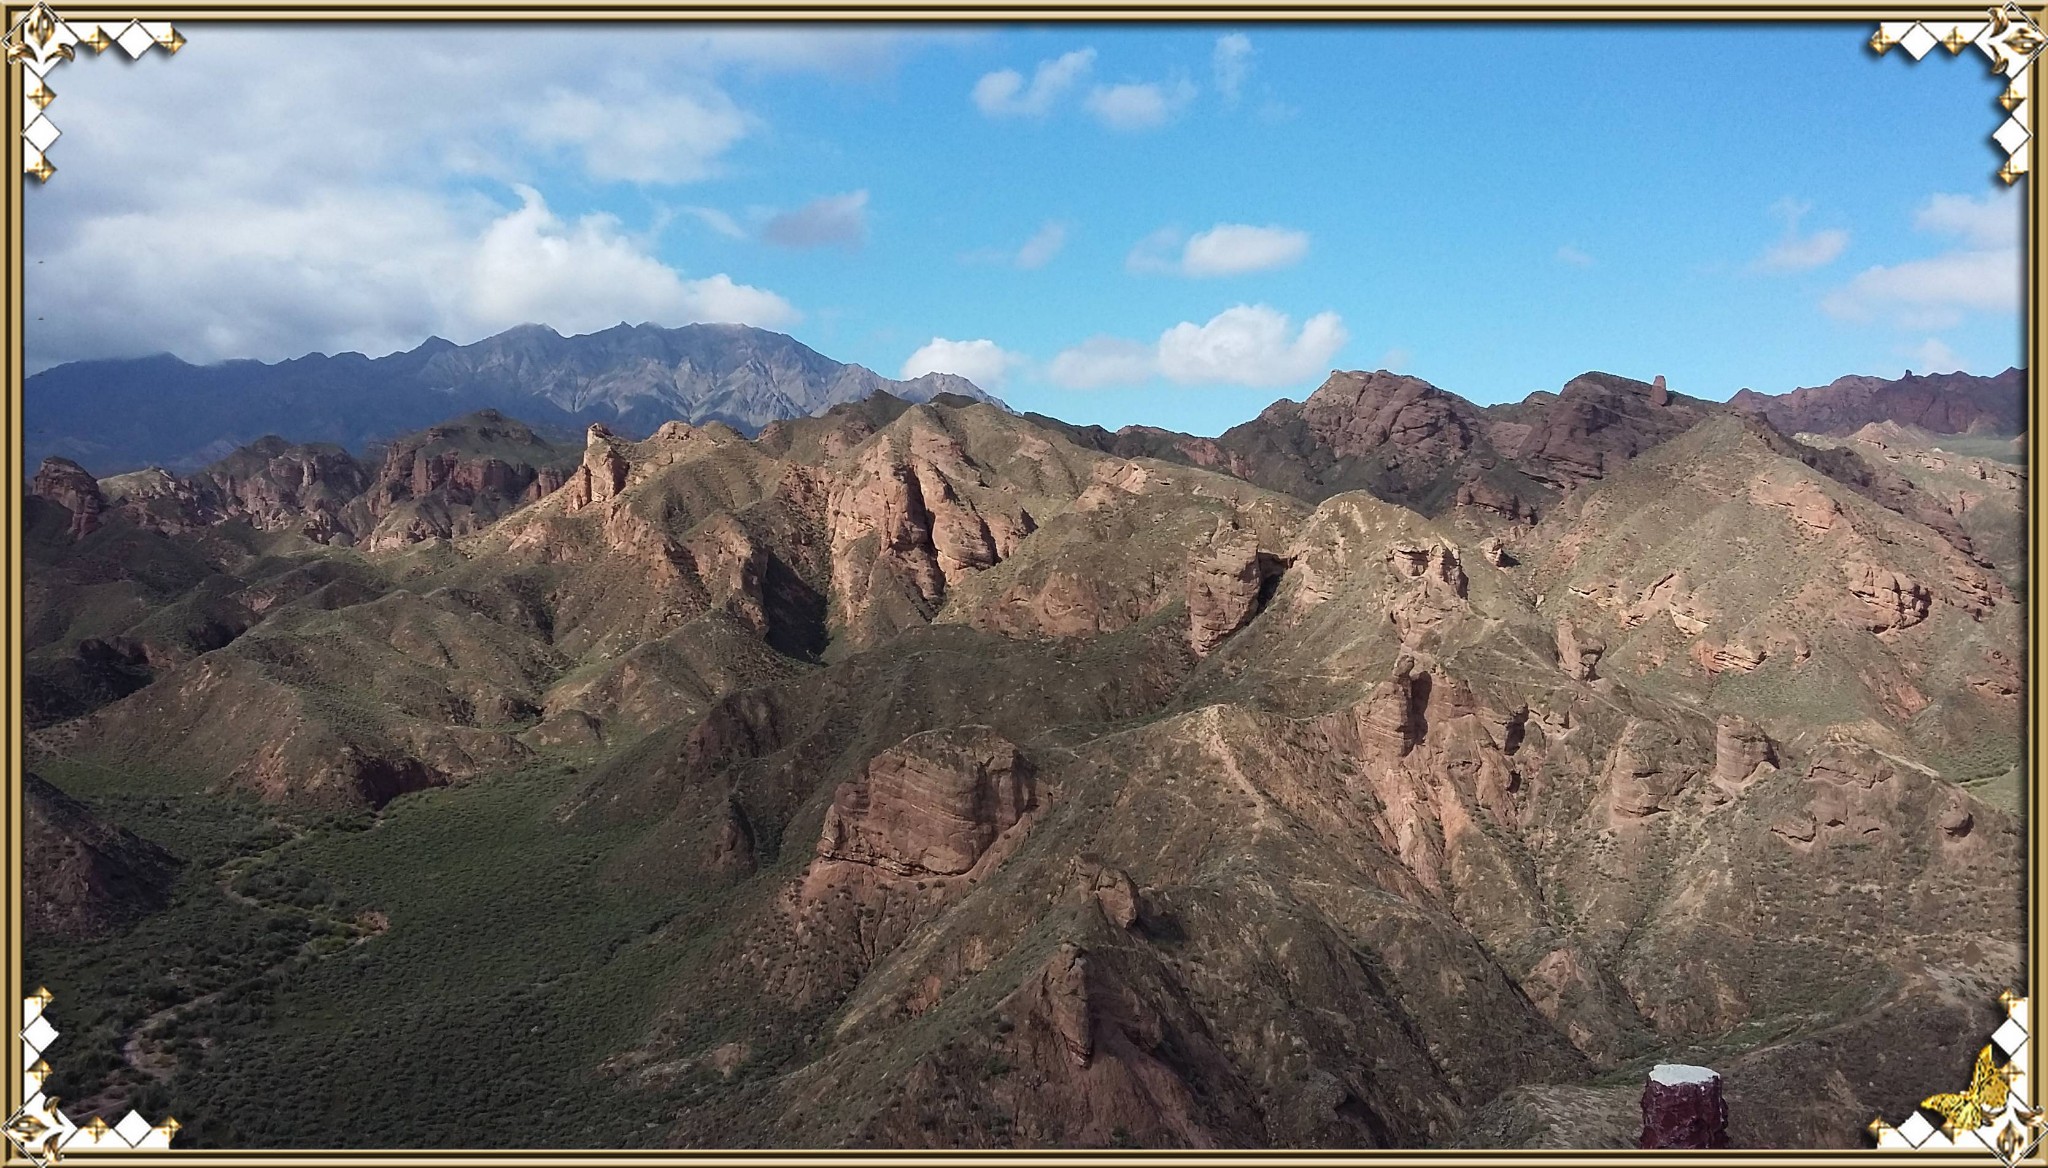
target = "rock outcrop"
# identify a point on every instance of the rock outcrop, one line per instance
(278, 486)
(456, 478)
(66, 484)
(1597, 422)
(601, 475)
(1740, 747)
(1110, 888)
(1578, 654)
(1882, 600)
(931, 804)
(1227, 584)
(1645, 773)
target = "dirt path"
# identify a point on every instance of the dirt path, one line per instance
(146, 1056)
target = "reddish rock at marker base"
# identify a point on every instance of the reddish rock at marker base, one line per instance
(1683, 1108)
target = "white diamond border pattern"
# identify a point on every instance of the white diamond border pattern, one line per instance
(2013, 1132)
(42, 1132)
(2011, 39)
(41, 40)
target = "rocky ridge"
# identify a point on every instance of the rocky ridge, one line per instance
(1045, 795)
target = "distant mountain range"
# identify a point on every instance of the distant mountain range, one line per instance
(120, 415)
(1940, 403)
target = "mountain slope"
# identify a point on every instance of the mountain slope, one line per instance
(120, 415)
(926, 775)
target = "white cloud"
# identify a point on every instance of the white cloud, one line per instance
(641, 136)
(1989, 221)
(1800, 253)
(1803, 253)
(829, 220)
(1984, 275)
(1396, 360)
(329, 189)
(1931, 293)
(531, 266)
(1573, 256)
(1233, 63)
(1004, 94)
(1934, 356)
(1104, 361)
(983, 362)
(1227, 249)
(1250, 345)
(1139, 105)
(1040, 248)
(372, 272)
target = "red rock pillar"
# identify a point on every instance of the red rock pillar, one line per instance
(1683, 1108)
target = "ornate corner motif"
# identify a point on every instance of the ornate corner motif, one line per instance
(42, 1132)
(2011, 39)
(41, 40)
(1997, 1111)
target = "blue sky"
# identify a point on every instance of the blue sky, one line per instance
(1164, 224)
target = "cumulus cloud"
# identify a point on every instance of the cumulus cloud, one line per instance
(1573, 256)
(1227, 249)
(531, 266)
(1249, 345)
(982, 361)
(334, 188)
(370, 272)
(1141, 105)
(1794, 252)
(1983, 274)
(830, 220)
(1005, 94)
(1233, 63)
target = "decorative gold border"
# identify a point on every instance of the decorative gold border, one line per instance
(40, 41)
(2017, 58)
(41, 1131)
(1998, 1111)
(2011, 39)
